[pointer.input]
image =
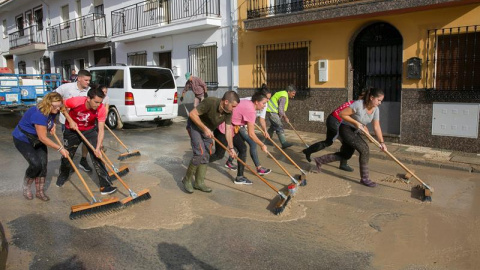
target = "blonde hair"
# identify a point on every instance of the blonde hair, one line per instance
(45, 106)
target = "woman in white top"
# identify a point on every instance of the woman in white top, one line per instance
(356, 117)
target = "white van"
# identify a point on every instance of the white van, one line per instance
(137, 93)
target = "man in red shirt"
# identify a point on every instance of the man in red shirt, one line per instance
(85, 111)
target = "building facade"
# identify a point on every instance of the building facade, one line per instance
(423, 54)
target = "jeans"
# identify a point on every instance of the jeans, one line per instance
(253, 147)
(275, 123)
(37, 158)
(71, 141)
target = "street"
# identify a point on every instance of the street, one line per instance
(331, 223)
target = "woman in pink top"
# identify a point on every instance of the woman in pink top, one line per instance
(244, 114)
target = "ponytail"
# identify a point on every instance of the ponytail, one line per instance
(371, 92)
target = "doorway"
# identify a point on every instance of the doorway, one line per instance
(164, 60)
(102, 57)
(377, 62)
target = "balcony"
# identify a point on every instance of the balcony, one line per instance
(164, 17)
(80, 32)
(265, 14)
(26, 40)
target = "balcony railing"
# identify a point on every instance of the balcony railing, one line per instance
(26, 36)
(92, 25)
(157, 12)
(263, 8)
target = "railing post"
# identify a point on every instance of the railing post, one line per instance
(136, 14)
(206, 8)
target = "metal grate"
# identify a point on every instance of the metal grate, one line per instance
(203, 63)
(282, 64)
(453, 60)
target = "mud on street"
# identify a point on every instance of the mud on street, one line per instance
(332, 223)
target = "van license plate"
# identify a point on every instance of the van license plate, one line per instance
(154, 109)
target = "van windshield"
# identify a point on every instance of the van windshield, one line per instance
(151, 78)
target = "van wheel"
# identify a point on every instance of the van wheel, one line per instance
(112, 118)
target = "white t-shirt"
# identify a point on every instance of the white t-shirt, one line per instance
(260, 113)
(69, 90)
(360, 113)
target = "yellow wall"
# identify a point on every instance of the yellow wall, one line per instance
(331, 41)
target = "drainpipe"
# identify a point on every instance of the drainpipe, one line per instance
(233, 43)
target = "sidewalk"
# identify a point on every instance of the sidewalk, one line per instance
(407, 154)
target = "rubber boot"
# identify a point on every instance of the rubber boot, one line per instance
(283, 141)
(40, 185)
(200, 178)
(344, 166)
(325, 159)
(187, 179)
(364, 175)
(27, 188)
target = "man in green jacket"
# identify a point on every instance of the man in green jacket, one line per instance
(277, 107)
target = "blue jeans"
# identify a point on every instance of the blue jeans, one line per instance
(253, 146)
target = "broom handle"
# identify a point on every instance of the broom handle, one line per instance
(244, 164)
(395, 159)
(297, 133)
(76, 170)
(279, 165)
(279, 148)
(118, 139)
(103, 160)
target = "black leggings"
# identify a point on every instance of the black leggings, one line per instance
(37, 158)
(238, 143)
(351, 141)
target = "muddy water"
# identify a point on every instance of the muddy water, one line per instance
(338, 223)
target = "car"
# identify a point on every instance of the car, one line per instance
(137, 93)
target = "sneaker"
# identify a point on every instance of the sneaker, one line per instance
(368, 183)
(230, 166)
(262, 171)
(107, 190)
(242, 180)
(307, 155)
(84, 165)
(61, 179)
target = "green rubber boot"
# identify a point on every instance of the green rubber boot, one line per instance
(187, 180)
(283, 141)
(344, 166)
(200, 178)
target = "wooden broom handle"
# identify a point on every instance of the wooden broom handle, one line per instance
(395, 159)
(75, 169)
(279, 165)
(118, 139)
(279, 148)
(248, 167)
(297, 133)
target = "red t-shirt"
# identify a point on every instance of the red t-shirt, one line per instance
(342, 107)
(85, 118)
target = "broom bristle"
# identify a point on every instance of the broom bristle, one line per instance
(141, 196)
(121, 172)
(128, 155)
(281, 205)
(88, 209)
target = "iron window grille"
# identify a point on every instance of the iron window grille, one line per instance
(137, 58)
(453, 63)
(202, 63)
(279, 65)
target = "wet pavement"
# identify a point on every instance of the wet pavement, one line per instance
(331, 223)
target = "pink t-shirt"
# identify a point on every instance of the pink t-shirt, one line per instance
(85, 118)
(242, 114)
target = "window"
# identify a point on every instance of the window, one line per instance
(452, 61)
(112, 78)
(203, 63)
(151, 78)
(65, 16)
(22, 67)
(38, 17)
(279, 65)
(98, 9)
(137, 58)
(4, 25)
(19, 23)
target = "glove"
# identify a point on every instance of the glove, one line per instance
(181, 99)
(205, 95)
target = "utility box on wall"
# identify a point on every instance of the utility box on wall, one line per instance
(323, 70)
(455, 119)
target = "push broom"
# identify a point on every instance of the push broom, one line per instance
(95, 206)
(427, 196)
(296, 132)
(129, 152)
(134, 197)
(284, 198)
(303, 176)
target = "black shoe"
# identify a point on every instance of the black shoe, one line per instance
(307, 154)
(84, 165)
(107, 190)
(61, 179)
